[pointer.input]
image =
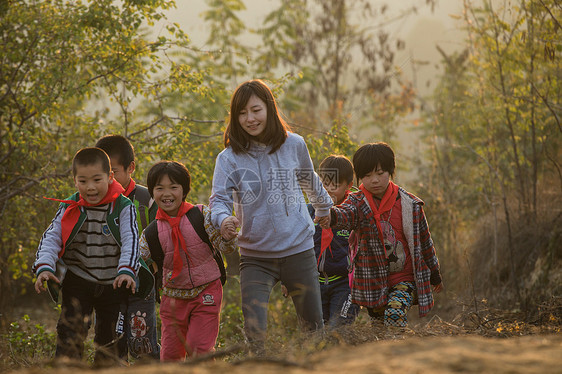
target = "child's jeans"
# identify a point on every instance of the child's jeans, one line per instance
(190, 326)
(140, 328)
(336, 303)
(258, 276)
(79, 298)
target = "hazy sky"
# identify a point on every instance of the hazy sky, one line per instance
(421, 31)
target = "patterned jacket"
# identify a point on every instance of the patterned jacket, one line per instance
(370, 286)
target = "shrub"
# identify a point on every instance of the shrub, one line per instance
(28, 343)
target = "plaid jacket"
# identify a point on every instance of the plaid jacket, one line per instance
(370, 286)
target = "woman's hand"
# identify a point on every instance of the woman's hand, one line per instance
(228, 228)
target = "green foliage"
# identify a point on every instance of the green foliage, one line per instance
(231, 324)
(29, 343)
(335, 141)
(18, 265)
(231, 57)
(72, 72)
(494, 130)
(345, 66)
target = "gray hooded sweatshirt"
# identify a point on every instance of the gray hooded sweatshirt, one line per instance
(266, 191)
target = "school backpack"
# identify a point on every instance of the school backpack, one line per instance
(195, 217)
(146, 207)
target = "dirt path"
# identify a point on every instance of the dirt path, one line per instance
(455, 354)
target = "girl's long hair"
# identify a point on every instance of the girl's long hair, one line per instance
(275, 132)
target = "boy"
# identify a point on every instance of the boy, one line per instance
(332, 247)
(140, 316)
(396, 260)
(94, 232)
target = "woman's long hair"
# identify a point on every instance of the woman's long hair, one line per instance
(275, 132)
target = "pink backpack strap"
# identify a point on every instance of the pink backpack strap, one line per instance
(353, 246)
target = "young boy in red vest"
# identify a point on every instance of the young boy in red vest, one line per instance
(95, 233)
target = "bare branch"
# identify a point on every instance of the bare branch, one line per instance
(552, 15)
(185, 119)
(145, 129)
(31, 182)
(545, 101)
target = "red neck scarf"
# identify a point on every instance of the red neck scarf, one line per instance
(130, 187)
(385, 205)
(325, 242)
(72, 212)
(177, 237)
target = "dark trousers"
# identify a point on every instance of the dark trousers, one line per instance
(140, 328)
(79, 299)
(337, 308)
(258, 276)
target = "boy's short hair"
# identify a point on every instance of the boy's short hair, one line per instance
(89, 156)
(176, 171)
(336, 168)
(118, 147)
(371, 155)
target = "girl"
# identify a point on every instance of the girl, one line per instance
(191, 286)
(262, 173)
(395, 262)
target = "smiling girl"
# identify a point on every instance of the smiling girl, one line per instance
(191, 285)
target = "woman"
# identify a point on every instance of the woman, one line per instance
(262, 173)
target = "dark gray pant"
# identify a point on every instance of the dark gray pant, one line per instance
(79, 299)
(141, 335)
(258, 276)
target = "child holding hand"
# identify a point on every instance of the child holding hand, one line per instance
(396, 261)
(190, 276)
(332, 247)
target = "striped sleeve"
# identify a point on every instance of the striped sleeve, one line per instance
(50, 245)
(129, 259)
